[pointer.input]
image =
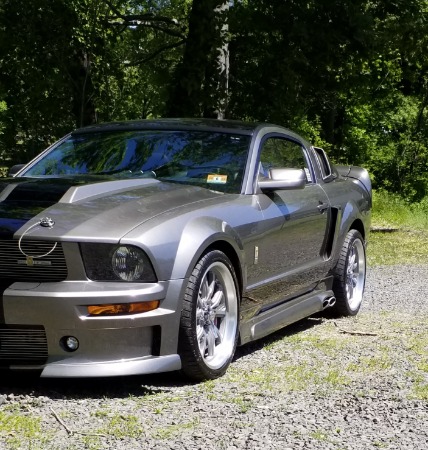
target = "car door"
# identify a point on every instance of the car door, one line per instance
(289, 253)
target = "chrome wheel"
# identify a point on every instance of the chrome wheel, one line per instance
(355, 274)
(350, 275)
(216, 315)
(210, 318)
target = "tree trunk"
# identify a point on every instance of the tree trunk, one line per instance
(200, 82)
(83, 106)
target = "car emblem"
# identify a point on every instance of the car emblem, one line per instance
(31, 262)
(47, 222)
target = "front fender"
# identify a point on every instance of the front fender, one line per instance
(197, 236)
(175, 245)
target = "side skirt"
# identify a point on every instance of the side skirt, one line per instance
(285, 314)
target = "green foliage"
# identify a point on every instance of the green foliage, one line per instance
(382, 134)
(351, 76)
(3, 108)
(391, 211)
(34, 61)
(346, 66)
(72, 63)
(400, 231)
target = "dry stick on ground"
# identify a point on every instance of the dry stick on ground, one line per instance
(355, 333)
(70, 431)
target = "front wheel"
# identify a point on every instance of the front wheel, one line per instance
(350, 275)
(210, 317)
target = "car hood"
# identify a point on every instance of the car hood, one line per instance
(88, 208)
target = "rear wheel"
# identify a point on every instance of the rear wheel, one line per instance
(350, 275)
(210, 318)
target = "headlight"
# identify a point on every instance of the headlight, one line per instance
(128, 263)
(106, 262)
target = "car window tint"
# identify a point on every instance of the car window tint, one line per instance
(323, 162)
(282, 153)
(210, 159)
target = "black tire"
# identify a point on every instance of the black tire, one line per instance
(210, 318)
(350, 275)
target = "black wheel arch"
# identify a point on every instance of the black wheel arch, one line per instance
(358, 225)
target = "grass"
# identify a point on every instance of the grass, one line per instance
(391, 211)
(167, 432)
(317, 360)
(421, 390)
(400, 231)
(400, 247)
(122, 426)
(319, 368)
(17, 427)
(312, 370)
(371, 364)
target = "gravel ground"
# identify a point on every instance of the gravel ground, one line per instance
(355, 383)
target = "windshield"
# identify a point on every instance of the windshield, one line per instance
(211, 159)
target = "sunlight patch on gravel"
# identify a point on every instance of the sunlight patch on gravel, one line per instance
(352, 383)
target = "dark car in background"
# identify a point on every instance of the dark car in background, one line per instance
(159, 245)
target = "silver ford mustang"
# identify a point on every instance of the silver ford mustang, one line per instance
(151, 246)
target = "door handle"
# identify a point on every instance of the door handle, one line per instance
(322, 207)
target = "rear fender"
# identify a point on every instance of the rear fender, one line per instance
(351, 216)
(356, 173)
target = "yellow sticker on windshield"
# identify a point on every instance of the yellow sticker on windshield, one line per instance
(219, 179)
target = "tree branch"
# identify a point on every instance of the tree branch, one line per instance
(147, 20)
(146, 24)
(354, 333)
(156, 53)
(70, 431)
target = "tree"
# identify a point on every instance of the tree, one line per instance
(36, 88)
(97, 60)
(200, 83)
(147, 43)
(351, 75)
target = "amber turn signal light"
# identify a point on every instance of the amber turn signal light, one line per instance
(122, 308)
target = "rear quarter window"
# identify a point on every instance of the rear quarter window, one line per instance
(323, 163)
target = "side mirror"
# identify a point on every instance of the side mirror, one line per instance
(284, 179)
(15, 169)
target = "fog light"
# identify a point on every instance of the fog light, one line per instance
(122, 308)
(69, 343)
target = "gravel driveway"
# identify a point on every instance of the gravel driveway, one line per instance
(359, 383)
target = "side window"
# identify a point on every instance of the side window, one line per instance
(282, 153)
(323, 162)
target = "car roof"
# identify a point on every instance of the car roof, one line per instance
(231, 126)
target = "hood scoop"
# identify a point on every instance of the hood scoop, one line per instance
(79, 193)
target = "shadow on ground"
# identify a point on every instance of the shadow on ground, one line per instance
(18, 384)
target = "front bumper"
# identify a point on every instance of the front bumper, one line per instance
(138, 366)
(108, 345)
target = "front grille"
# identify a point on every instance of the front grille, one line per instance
(20, 345)
(14, 266)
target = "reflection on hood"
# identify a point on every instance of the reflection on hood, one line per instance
(23, 198)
